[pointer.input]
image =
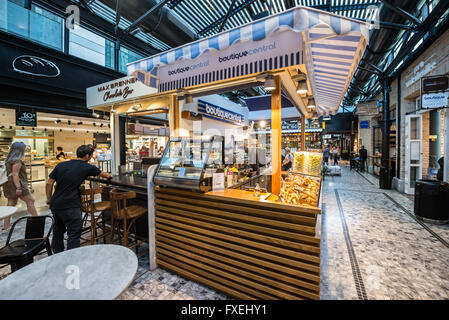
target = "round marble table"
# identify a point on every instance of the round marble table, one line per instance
(98, 272)
(6, 212)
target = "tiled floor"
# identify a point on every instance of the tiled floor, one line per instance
(396, 257)
(372, 248)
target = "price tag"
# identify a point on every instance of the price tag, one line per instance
(218, 181)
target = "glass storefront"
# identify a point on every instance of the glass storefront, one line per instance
(37, 24)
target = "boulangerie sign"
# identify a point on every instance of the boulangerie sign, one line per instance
(435, 100)
(123, 89)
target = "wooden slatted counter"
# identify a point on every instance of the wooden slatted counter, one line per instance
(238, 244)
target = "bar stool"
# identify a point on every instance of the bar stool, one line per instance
(94, 211)
(128, 215)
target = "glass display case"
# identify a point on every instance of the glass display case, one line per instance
(190, 163)
(308, 163)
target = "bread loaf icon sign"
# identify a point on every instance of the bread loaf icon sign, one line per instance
(35, 66)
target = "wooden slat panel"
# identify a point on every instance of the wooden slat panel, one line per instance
(167, 218)
(284, 273)
(245, 269)
(246, 248)
(242, 211)
(239, 225)
(212, 276)
(262, 254)
(234, 274)
(205, 281)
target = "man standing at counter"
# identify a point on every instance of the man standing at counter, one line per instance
(65, 203)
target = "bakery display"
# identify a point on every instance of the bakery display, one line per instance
(300, 190)
(307, 163)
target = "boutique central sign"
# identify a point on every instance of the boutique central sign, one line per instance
(219, 113)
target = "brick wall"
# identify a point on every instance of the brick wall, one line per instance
(425, 130)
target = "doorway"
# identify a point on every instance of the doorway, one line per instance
(413, 152)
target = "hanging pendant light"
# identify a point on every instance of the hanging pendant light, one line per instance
(311, 103)
(301, 88)
(270, 84)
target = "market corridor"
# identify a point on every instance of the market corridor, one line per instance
(374, 248)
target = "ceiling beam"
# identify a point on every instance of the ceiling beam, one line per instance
(174, 3)
(227, 16)
(139, 20)
(217, 22)
(86, 5)
(289, 4)
(402, 13)
(117, 15)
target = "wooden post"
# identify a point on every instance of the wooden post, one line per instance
(303, 133)
(174, 117)
(276, 134)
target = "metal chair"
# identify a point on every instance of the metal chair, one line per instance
(125, 214)
(20, 253)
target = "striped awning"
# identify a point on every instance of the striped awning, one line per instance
(333, 48)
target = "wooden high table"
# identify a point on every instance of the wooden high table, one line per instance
(241, 245)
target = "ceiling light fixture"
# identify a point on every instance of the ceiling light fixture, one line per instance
(270, 84)
(262, 124)
(311, 103)
(95, 115)
(302, 87)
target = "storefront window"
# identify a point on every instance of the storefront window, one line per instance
(41, 143)
(415, 129)
(37, 25)
(92, 47)
(127, 56)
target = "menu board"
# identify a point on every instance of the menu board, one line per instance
(307, 162)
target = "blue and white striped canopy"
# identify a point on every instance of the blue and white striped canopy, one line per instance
(334, 46)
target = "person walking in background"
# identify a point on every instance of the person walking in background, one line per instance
(363, 156)
(65, 202)
(440, 172)
(17, 185)
(335, 155)
(326, 155)
(60, 153)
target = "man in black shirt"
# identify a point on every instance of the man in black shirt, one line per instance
(65, 203)
(363, 156)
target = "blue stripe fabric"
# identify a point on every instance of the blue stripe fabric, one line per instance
(286, 19)
(194, 50)
(313, 18)
(164, 58)
(178, 54)
(333, 62)
(213, 43)
(333, 55)
(336, 24)
(233, 36)
(332, 47)
(259, 30)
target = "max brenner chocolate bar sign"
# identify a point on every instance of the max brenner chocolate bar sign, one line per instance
(123, 89)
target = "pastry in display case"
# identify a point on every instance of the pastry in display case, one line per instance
(309, 163)
(190, 163)
(300, 190)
